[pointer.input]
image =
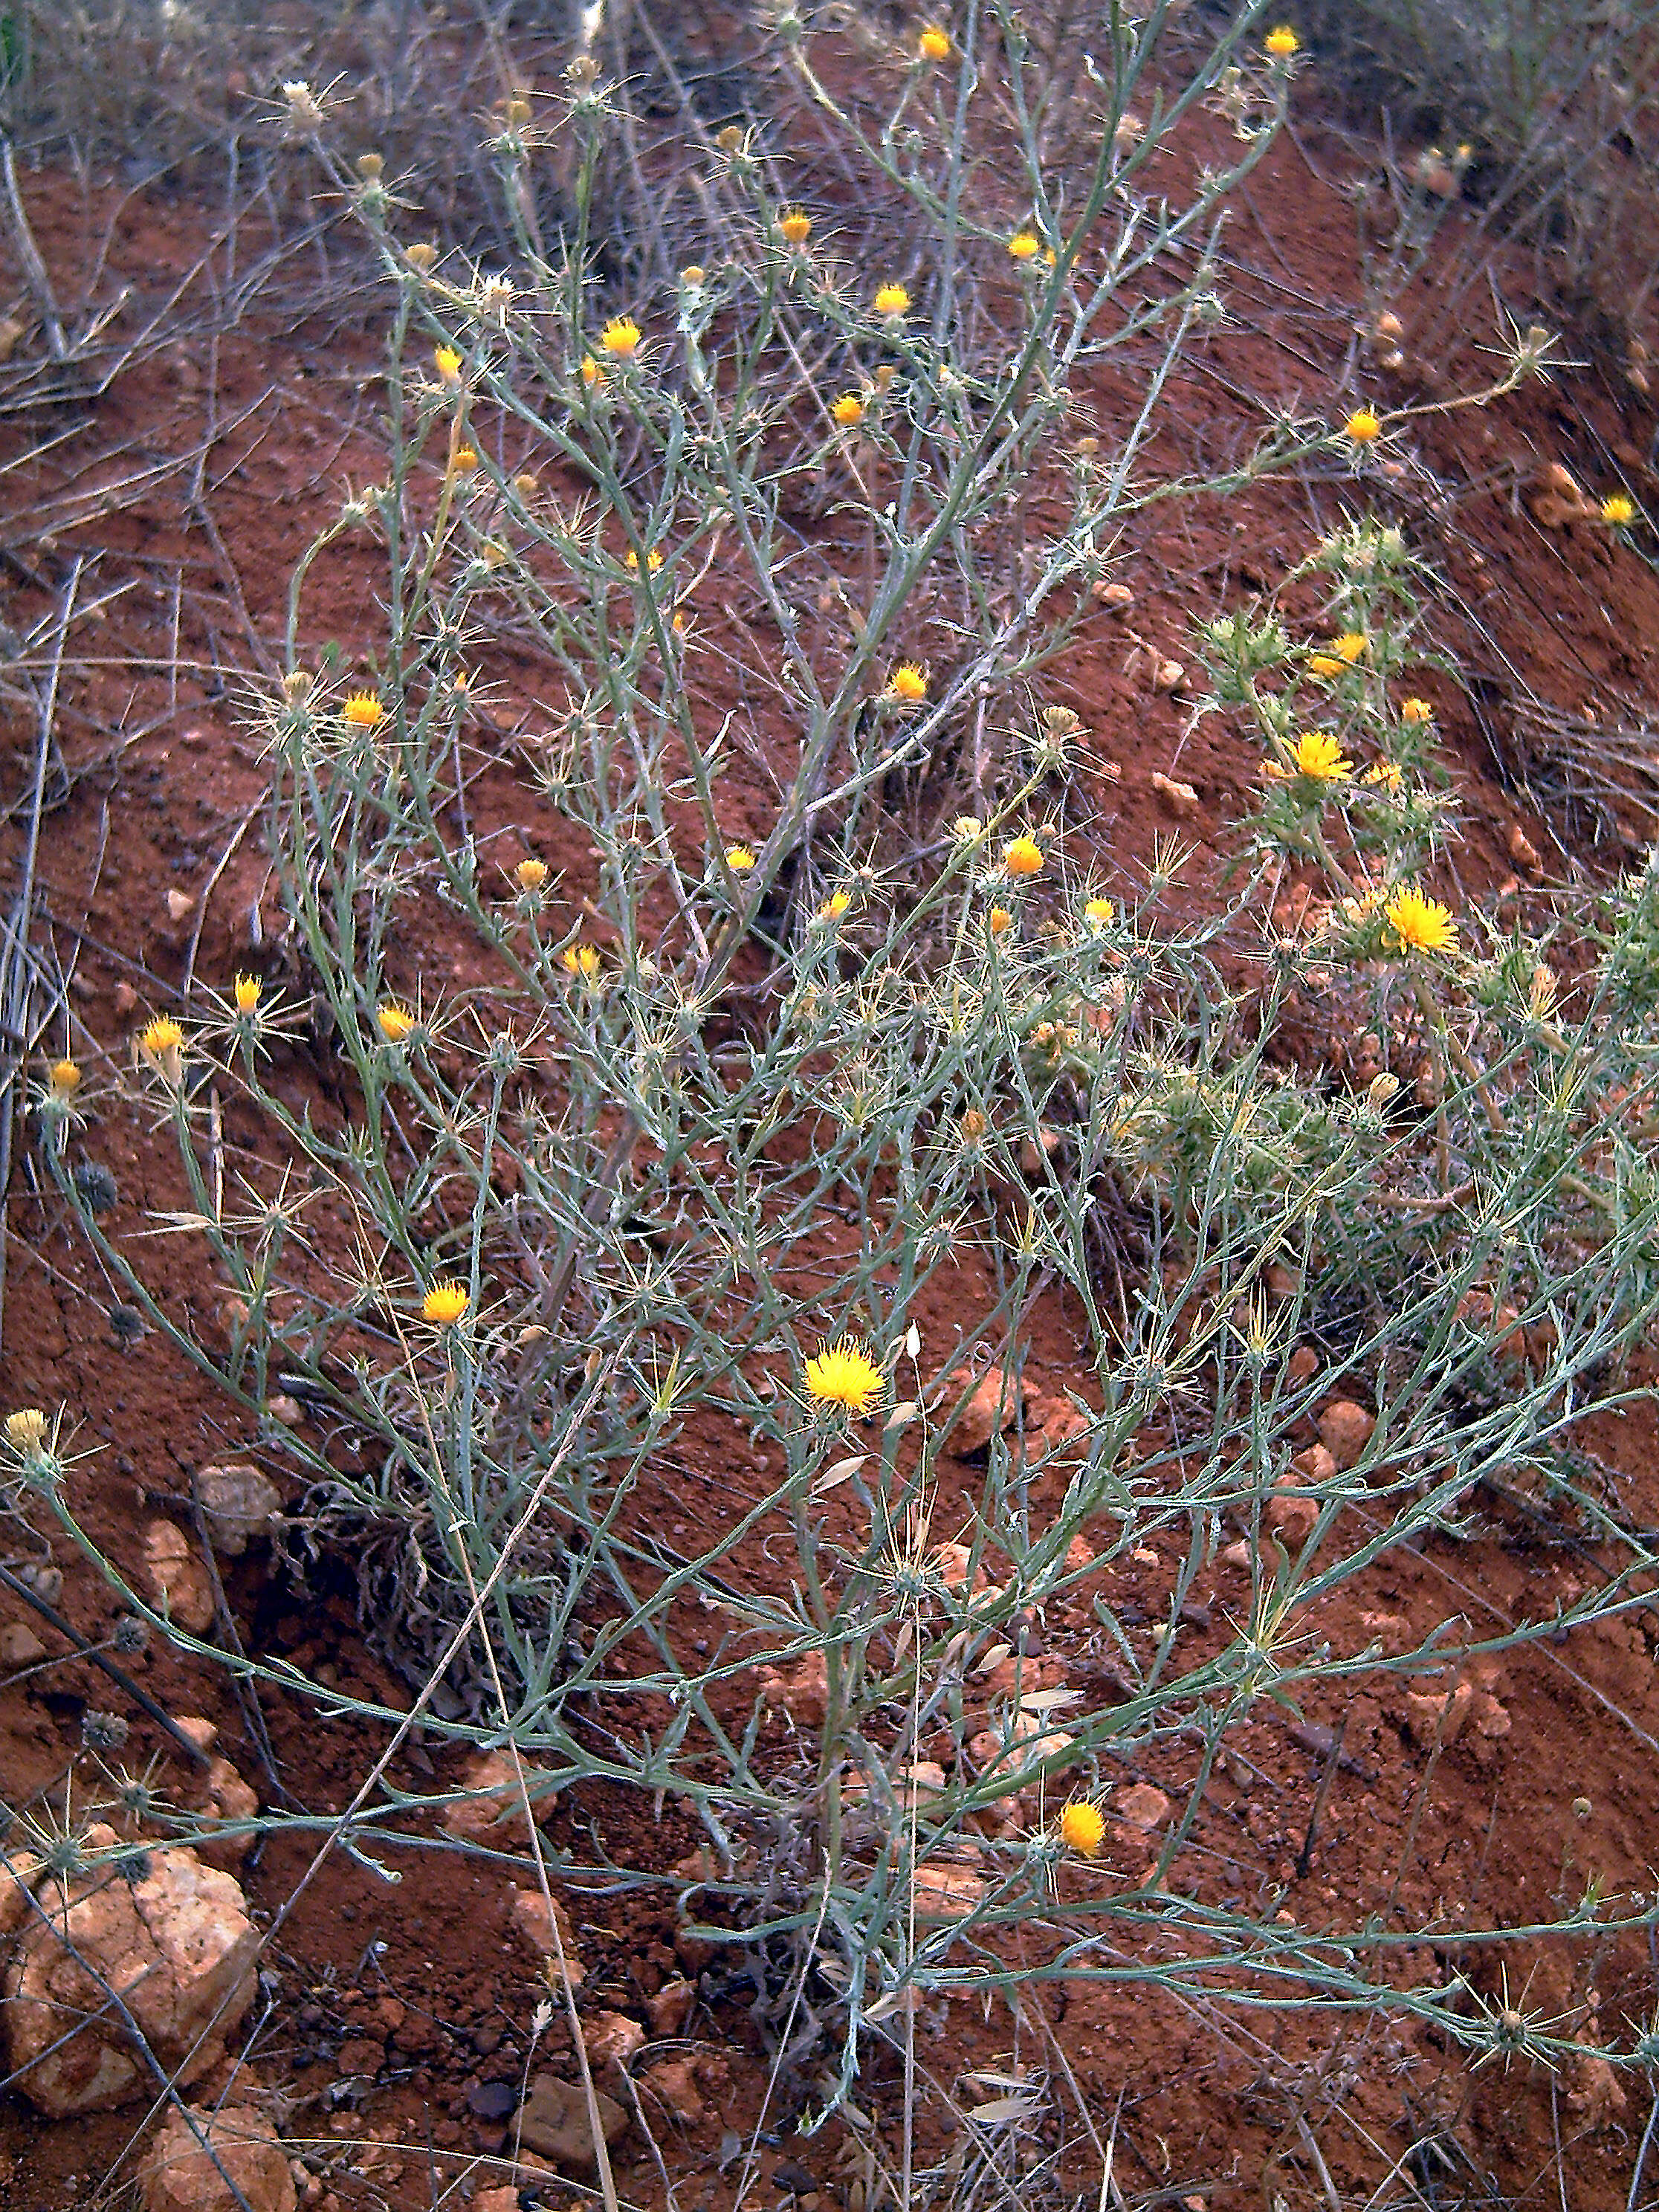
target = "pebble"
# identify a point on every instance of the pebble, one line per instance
(20, 1646)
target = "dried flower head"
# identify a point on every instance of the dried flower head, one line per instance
(1282, 42)
(422, 257)
(795, 226)
(934, 43)
(844, 1375)
(621, 337)
(907, 684)
(394, 1020)
(362, 710)
(892, 299)
(848, 411)
(1023, 857)
(27, 1428)
(739, 858)
(531, 873)
(1364, 426)
(446, 1304)
(1422, 925)
(1082, 1829)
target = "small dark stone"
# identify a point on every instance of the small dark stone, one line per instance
(790, 2176)
(493, 2100)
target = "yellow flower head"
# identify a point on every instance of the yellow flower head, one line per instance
(446, 1304)
(844, 1375)
(1319, 758)
(1416, 712)
(464, 460)
(909, 683)
(1282, 42)
(1422, 925)
(972, 1126)
(26, 1429)
(1100, 911)
(1023, 857)
(591, 372)
(998, 920)
(796, 226)
(631, 560)
(245, 991)
(394, 1021)
(161, 1037)
(1364, 426)
(362, 710)
(1024, 245)
(892, 299)
(447, 363)
(849, 410)
(835, 906)
(64, 1078)
(531, 873)
(1387, 775)
(621, 337)
(581, 960)
(1351, 646)
(934, 43)
(740, 858)
(1081, 1828)
(1619, 509)
(1324, 665)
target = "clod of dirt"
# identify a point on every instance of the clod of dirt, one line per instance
(19, 1646)
(176, 1946)
(234, 1802)
(180, 2175)
(553, 2120)
(18, 1876)
(1490, 1719)
(1524, 854)
(1344, 1430)
(944, 1891)
(1429, 1713)
(1596, 2092)
(991, 1408)
(238, 1503)
(669, 2009)
(802, 1691)
(610, 2039)
(532, 1921)
(673, 2081)
(496, 2200)
(493, 1811)
(180, 1580)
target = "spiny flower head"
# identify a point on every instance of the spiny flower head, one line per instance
(795, 226)
(1023, 857)
(892, 299)
(1422, 925)
(1350, 646)
(1618, 509)
(447, 363)
(844, 1375)
(835, 906)
(1319, 758)
(934, 43)
(848, 411)
(464, 460)
(26, 1430)
(159, 1037)
(998, 920)
(531, 873)
(446, 1304)
(908, 682)
(621, 337)
(246, 992)
(1282, 42)
(1024, 245)
(64, 1078)
(581, 961)
(362, 710)
(1417, 712)
(591, 372)
(1364, 426)
(1387, 775)
(740, 858)
(631, 560)
(1082, 1829)
(1100, 911)
(394, 1020)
